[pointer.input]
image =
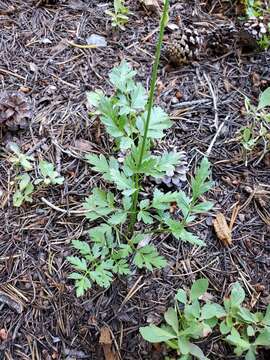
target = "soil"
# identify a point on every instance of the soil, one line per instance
(40, 316)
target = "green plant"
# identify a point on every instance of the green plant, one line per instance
(259, 120)
(24, 191)
(253, 8)
(107, 257)
(20, 159)
(264, 42)
(187, 322)
(243, 329)
(135, 123)
(49, 175)
(119, 16)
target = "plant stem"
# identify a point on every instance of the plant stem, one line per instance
(149, 110)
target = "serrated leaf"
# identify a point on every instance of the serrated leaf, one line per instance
(99, 204)
(159, 121)
(94, 97)
(191, 238)
(138, 97)
(209, 311)
(162, 201)
(199, 184)
(77, 263)
(149, 258)
(118, 218)
(264, 99)
(50, 176)
(166, 163)
(82, 285)
(155, 334)
(121, 76)
(126, 143)
(102, 274)
(181, 296)
(122, 182)
(110, 117)
(183, 201)
(75, 276)
(202, 207)
(198, 288)
(145, 216)
(99, 163)
(121, 267)
(82, 246)
(179, 232)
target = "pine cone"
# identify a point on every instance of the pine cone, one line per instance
(178, 176)
(14, 109)
(221, 40)
(199, 40)
(256, 28)
(184, 46)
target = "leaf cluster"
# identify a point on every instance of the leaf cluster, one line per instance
(119, 15)
(25, 186)
(192, 320)
(258, 130)
(103, 257)
(124, 114)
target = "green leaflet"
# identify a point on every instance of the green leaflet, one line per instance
(159, 122)
(148, 257)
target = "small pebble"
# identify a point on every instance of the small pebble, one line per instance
(97, 40)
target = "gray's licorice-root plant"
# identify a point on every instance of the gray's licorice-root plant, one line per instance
(131, 119)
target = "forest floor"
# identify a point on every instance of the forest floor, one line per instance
(43, 319)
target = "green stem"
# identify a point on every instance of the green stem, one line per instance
(154, 78)
(149, 110)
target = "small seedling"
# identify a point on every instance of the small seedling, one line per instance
(244, 330)
(21, 159)
(190, 320)
(24, 191)
(259, 118)
(49, 175)
(119, 16)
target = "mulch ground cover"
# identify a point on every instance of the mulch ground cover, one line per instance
(39, 311)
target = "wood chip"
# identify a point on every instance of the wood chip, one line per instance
(222, 229)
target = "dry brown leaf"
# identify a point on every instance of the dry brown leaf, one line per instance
(105, 340)
(222, 229)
